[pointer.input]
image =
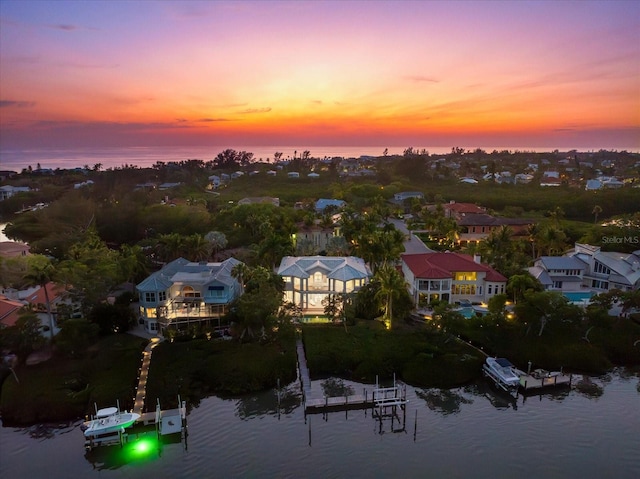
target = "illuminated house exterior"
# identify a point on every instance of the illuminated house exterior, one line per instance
(451, 277)
(184, 293)
(310, 279)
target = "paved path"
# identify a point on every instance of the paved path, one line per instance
(141, 390)
(413, 245)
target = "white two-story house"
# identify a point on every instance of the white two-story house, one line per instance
(310, 279)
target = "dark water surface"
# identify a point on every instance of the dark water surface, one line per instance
(590, 431)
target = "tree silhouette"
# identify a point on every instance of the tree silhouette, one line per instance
(596, 211)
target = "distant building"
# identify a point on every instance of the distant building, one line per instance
(323, 203)
(7, 191)
(477, 227)
(405, 195)
(264, 200)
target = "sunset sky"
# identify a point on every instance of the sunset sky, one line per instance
(468, 73)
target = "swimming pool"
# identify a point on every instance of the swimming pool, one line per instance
(578, 296)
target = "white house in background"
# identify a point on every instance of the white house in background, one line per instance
(83, 184)
(36, 298)
(7, 191)
(607, 270)
(451, 277)
(405, 195)
(310, 279)
(587, 268)
(559, 273)
(184, 293)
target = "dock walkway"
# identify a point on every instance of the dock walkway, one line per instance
(141, 389)
(316, 402)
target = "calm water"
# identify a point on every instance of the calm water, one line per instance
(591, 431)
(67, 158)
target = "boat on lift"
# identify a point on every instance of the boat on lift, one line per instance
(108, 421)
(502, 373)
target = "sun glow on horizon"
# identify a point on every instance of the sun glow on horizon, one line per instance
(312, 71)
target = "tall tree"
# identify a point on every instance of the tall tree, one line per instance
(41, 274)
(390, 286)
(595, 212)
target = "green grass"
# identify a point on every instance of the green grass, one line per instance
(62, 388)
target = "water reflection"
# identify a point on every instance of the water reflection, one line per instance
(443, 401)
(273, 402)
(587, 387)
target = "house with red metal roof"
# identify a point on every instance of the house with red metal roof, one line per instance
(451, 277)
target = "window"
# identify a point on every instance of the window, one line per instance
(189, 292)
(162, 295)
(557, 284)
(150, 297)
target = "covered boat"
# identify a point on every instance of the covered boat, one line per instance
(503, 373)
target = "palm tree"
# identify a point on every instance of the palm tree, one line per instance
(133, 263)
(596, 211)
(41, 275)
(197, 247)
(519, 283)
(533, 230)
(554, 239)
(170, 246)
(240, 272)
(390, 286)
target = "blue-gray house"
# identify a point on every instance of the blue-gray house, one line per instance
(184, 292)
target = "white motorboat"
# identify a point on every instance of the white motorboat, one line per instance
(502, 372)
(109, 421)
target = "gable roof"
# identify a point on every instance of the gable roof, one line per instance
(561, 262)
(9, 311)
(342, 268)
(444, 265)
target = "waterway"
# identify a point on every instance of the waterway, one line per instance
(589, 431)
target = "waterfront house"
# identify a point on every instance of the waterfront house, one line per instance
(559, 273)
(185, 292)
(586, 268)
(607, 270)
(310, 279)
(450, 277)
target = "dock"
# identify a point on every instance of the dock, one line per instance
(540, 379)
(316, 403)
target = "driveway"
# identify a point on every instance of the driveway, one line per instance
(413, 244)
